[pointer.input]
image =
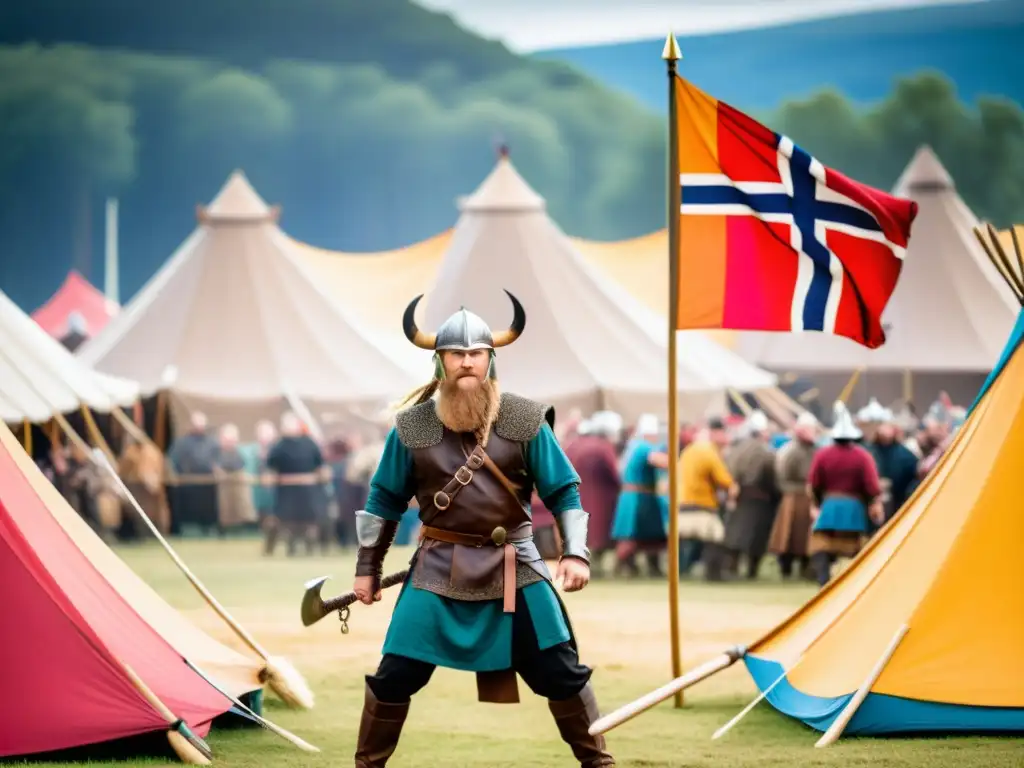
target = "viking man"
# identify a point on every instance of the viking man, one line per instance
(479, 597)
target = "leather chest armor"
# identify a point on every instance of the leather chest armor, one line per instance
(469, 513)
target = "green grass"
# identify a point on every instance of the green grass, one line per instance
(622, 629)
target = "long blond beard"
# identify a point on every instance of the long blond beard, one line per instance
(468, 411)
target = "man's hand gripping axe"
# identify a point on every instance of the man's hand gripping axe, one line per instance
(314, 607)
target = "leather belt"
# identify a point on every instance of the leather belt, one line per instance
(499, 538)
(463, 476)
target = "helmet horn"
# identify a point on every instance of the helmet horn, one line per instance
(412, 332)
(504, 338)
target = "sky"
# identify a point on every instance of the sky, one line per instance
(535, 25)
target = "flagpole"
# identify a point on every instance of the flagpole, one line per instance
(671, 55)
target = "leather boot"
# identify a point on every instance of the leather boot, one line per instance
(379, 730)
(574, 717)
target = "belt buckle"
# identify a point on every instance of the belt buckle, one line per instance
(458, 477)
(442, 496)
(499, 536)
(475, 461)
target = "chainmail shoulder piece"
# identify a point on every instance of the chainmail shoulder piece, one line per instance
(419, 427)
(520, 419)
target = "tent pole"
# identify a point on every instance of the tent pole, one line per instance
(671, 56)
(26, 435)
(131, 427)
(95, 434)
(739, 402)
(160, 429)
(908, 386)
(189, 747)
(282, 677)
(844, 396)
(839, 724)
(630, 710)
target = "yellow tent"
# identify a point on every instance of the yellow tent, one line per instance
(928, 622)
(376, 286)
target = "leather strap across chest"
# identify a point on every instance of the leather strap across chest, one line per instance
(463, 476)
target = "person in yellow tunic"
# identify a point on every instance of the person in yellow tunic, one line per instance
(703, 478)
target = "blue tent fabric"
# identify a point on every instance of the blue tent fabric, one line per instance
(879, 714)
(1016, 337)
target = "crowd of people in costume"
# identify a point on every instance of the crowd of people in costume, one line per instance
(748, 489)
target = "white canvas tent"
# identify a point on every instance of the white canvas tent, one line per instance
(39, 377)
(587, 343)
(946, 322)
(233, 325)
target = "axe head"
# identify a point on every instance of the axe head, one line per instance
(312, 602)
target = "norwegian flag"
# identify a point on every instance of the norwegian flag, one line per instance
(806, 248)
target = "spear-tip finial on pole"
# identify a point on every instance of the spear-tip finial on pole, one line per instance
(671, 50)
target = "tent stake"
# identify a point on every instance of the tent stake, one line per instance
(839, 724)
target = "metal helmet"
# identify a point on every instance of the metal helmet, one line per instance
(464, 330)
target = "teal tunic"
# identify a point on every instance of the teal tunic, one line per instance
(475, 636)
(640, 516)
(262, 495)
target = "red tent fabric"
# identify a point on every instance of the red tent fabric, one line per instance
(66, 633)
(76, 296)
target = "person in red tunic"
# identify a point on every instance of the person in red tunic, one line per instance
(593, 455)
(845, 492)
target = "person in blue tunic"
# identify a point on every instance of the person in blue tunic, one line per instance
(478, 596)
(641, 513)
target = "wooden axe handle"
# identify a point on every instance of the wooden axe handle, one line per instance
(343, 601)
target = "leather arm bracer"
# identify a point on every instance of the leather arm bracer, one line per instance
(375, 535)
(572, 525)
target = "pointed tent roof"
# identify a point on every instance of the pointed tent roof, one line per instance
(76, 301)
(946, 568)
(944, 267)
(38, 375)
(587, 342)
(70, 640)
(235, 325)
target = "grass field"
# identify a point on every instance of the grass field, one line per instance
(623, 633)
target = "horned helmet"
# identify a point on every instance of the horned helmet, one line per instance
(464, 330)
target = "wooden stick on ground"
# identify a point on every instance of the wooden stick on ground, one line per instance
(189, 747)
(703, 672)
(839, 724)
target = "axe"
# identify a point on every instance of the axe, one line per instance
(314, 607)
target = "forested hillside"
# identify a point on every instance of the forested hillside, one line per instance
(367, 149)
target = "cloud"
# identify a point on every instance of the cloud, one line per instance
(535, 25)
